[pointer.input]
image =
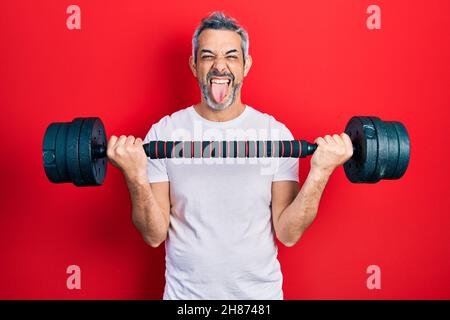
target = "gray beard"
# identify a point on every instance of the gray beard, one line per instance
(220, 106)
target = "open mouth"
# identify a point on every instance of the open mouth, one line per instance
(220, 88)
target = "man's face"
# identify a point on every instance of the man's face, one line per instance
(220, 68)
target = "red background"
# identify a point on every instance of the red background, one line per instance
(315, 65)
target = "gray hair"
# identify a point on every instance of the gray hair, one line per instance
(219, 21)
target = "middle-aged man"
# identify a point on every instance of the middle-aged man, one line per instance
(218, 217)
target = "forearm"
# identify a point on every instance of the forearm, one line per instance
(147, 215)
(299, 215)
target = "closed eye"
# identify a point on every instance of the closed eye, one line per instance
(232, 57)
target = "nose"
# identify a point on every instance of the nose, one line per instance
(220, 64)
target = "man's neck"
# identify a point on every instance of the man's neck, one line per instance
(227, 114)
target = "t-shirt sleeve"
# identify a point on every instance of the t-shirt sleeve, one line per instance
(287, 168)
(156, 168)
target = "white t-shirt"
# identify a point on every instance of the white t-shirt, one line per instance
(221, 243)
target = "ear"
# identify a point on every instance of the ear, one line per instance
(193, 66)
(248, 65)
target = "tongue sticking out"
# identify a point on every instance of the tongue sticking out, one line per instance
(219, 90)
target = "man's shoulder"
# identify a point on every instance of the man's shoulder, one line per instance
(176, 116)
(164, 126)
(263, 117)
(173, 120)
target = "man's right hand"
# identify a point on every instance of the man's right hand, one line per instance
(127, 154)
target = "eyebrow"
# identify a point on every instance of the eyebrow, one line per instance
(231, 51)
(206, 51)
(209, 51)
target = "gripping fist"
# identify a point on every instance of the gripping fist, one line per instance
(331, 152)
(127, 154)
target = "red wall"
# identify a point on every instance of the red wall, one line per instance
(315, 65)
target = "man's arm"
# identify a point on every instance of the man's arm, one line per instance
(293, 211)
(150, 202)
(150, 209)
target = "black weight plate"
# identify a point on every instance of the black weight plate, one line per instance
(370, 134)
(72, 152)
(48, 153)
(99, 139)
(85, 150)
(383, 150)
(393, 150)
(61, 159)
(404, 150)
(92, 135)
(360, 168)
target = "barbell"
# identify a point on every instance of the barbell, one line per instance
(76, 151)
